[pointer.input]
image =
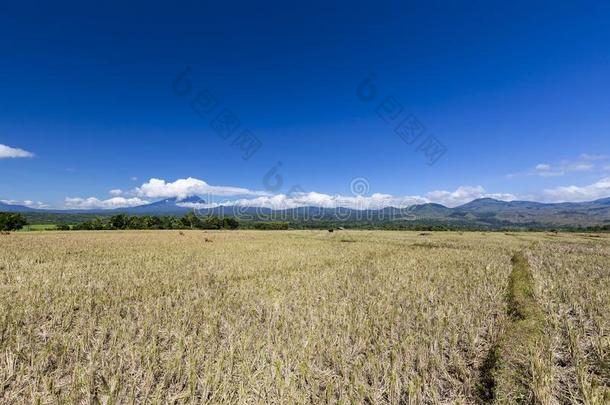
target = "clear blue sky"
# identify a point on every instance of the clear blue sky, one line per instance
(516, 92)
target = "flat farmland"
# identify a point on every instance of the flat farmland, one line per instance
(304, 317)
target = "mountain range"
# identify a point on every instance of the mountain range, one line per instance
(481, 212)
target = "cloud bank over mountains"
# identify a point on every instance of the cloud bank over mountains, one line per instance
(180, 189)
(156, 189)
(27, 203)
(95, 203)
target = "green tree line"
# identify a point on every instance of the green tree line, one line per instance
(271, 226)
(123, 222)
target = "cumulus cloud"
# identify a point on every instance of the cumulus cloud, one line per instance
(94, 203)
(465, 194)
(27, 203)
(8, 152)
(599, 189)
(460, 196)
(35, 204)
(183, 188)
(314, 199)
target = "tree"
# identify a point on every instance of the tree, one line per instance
(98, 224)
(63, 227)
(136, 222)
(191, 220)
(11, 221)
(83, 226)
(211, 222)
(271, 226)
(153, 223)
(230, 223)
(120, 221)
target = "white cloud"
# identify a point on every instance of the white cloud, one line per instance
(313, 199)
(156, 188)
(8, 152)
(599, 189)
(547, 170)
(199, 206)
(27, 203)
(35, 204)
(582, 164)
(183, 188)
(94, 203)
(460, 196)
(465, 194)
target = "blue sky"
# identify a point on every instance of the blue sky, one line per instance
(516, 95)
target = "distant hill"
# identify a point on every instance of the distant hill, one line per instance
(520, 212)
(14, 208)
(169, 206)
(480, 213)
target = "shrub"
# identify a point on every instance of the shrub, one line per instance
(11, 221)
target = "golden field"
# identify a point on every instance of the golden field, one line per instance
(304, 317)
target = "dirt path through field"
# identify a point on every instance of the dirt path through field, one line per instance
(507, 374)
